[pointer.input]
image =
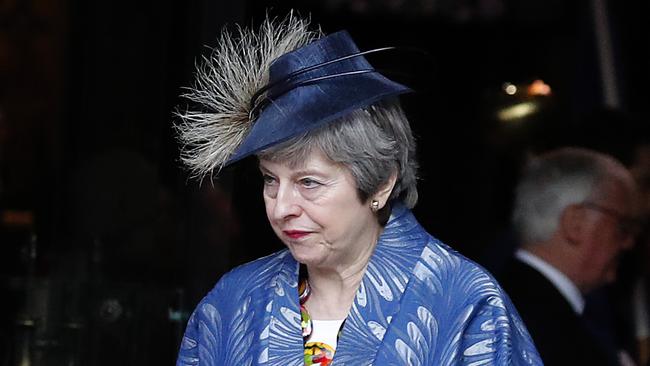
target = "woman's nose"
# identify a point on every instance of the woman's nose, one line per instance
(286, 202)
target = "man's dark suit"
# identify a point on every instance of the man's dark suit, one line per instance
(560, 335)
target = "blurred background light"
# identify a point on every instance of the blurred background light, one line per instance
(538, 87)
(510, 88)
(517, 112)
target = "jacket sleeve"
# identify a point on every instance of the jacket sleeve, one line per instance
(495, 335)
(202, 342)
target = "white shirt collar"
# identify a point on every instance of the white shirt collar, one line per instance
(563, 284)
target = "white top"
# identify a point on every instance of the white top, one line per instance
(325, 331)
(563, 284)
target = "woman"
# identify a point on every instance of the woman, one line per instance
(361, 281)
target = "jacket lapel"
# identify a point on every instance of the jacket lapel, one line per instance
(379, 296)
(282, 318)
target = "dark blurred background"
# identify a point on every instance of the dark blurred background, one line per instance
(106, 245)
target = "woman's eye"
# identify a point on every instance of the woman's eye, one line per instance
(267, 179)
(309, 183)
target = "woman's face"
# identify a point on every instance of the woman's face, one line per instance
(315, 210)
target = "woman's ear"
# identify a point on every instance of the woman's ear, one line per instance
(572, 224)
(384, 191)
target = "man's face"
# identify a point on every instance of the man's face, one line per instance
(609, 230)
(641, 172)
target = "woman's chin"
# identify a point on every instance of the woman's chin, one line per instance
(306, 256)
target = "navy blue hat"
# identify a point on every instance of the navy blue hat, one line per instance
(310, 87)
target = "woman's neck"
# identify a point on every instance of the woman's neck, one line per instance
(334, 290)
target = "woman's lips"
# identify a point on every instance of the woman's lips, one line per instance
(295, 234)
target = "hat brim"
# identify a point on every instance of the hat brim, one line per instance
(312, 106)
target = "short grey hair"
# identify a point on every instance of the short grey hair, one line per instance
(553, 181)
(373, 143)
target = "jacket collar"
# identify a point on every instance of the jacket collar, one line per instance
(377, 300)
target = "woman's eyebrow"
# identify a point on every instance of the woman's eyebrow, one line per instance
(309, 171)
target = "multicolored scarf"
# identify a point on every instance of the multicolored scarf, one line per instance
(316, 353)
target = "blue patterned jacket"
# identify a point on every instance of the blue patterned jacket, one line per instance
(419, 303)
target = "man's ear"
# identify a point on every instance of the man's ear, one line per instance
(572, 224)
(384, 191)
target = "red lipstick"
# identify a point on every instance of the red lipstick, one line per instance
(295, 234)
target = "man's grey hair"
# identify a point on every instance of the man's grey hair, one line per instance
(373, 143)
(553, 181)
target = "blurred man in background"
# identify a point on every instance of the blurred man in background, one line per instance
(575, 212)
